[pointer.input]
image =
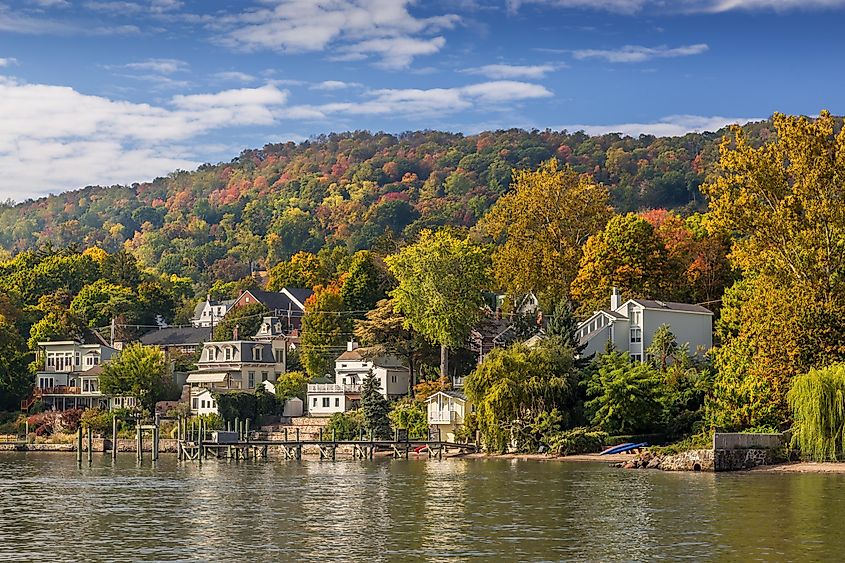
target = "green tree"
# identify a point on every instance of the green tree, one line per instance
(100, 302)
(247, 318)
(542, 224)
(15, 378)
(441, 280)
(375, 407)
(138, 371)
(816, 400)
(364, 284)
(292, 384)
(325, 329)
(625, 397)
(563, 324)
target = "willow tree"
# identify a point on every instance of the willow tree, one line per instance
(784, 204)
(817, 401)
(515, 385)
(542, 224)
(440, 284)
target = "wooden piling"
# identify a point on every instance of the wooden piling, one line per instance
(90, 445)
(139, 441)
(114, 437)
(79, 445)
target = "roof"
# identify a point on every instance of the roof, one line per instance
(176, 336)
(91, 336)
(449, 393)
(672, 306)
(351, 356)
(96, 370)
(301, 294)
(277, 301)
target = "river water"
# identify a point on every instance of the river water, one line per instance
(390, 510)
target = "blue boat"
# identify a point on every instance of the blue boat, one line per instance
(623, 448)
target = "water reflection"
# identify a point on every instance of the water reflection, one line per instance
(414, 509)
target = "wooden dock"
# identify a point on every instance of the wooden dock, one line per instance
(196, 450)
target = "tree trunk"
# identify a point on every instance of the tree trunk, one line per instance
(411, 382)
(444, 362)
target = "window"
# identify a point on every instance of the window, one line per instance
(264, 376)
(278, 356)
(325, 402)
(336, 402)
(636, 357)
(636, 334)
(246, 299)
(315, 401)
(228, 353)
(211, 354)
(256, 354)
(635, 317)
(203, 403)
(195, 403)
(393, 379)
(51, 360)
(77, 359)
(85, 387)
(250, 379)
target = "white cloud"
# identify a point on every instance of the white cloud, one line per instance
(682, 6)
(52, 3)
(352, 29)
(671, 126)
(55, 138)
(234, 76)
(506, 71)
(163, 66)
(638, 53)
(334, 85)
(8, 61)
(425, 103)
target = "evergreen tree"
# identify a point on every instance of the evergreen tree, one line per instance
(376, 408)
(563, 324)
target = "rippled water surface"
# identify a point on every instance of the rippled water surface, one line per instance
(408, 510)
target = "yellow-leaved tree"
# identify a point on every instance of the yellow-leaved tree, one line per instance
(784, 205)
(541, 226)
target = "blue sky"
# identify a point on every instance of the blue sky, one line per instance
(102, 92)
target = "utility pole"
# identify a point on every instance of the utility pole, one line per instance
(111, 343)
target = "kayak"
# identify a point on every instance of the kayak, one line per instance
(623, 448)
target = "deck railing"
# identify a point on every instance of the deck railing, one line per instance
(442, 417)
(333, 388)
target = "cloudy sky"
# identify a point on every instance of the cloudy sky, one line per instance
(102, 92)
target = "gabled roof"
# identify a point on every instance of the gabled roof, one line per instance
(672, 306)
(176, 336)
(351, 356)
(301, 294)
(277, 301)
(91, 336)
(449, 393)
(198, 309)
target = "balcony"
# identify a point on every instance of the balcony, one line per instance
(58, 390)
(333, 388)
(442, 417)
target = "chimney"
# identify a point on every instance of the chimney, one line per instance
(351, 345)
(615, 299)
(235, 332)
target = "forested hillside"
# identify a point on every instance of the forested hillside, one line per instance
(357, 189)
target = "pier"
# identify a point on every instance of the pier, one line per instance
(196, 443)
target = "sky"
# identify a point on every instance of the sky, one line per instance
(106, 92)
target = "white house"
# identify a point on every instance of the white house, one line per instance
(351, 367)
(209, 312)
(70, 376)
(202, 402)
(447, 411)
(630, 326)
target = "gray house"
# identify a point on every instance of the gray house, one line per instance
(630, 326)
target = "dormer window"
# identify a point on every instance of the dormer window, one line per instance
(228, 353)
(256, 354)
(211, 354)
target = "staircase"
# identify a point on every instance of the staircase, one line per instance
(27, 403)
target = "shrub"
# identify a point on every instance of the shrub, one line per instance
(576, 441)
(411, 415)
(68, 421)
(98, 420)
(346, 425)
